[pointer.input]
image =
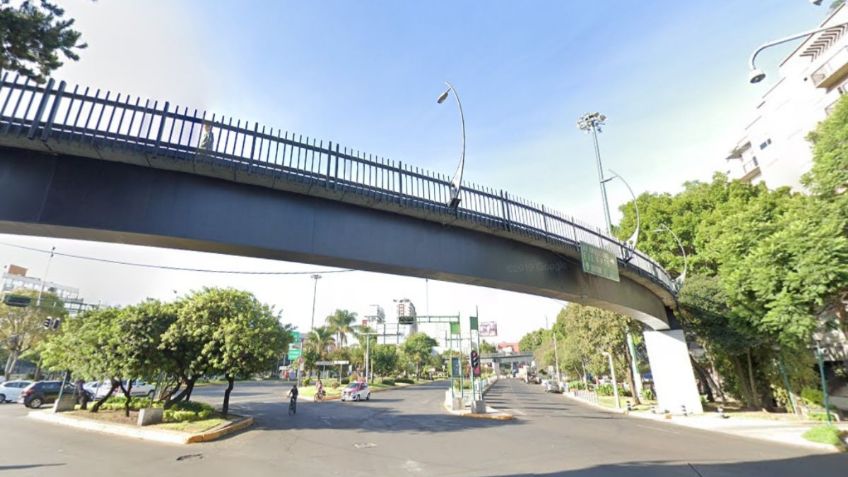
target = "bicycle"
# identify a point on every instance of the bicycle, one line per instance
(293, 406)
(319, 396)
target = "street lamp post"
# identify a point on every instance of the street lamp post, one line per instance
(614, 382)
(456, 181)
(820, 359)
(592, 122)
(315, 277)
(368, 368)
(755, 75)
(44, 280)
(682, 277)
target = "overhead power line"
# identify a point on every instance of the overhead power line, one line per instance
(170, 267)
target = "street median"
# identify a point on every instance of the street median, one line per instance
(148, 433)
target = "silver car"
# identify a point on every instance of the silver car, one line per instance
(11, 390)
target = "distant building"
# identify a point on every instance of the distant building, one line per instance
(774, 148)
(15, 278)
(504, 347)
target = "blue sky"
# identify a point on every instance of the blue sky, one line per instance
(670, 75)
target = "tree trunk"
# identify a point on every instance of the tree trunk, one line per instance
(128, 395)
(704, 377)
(747, 396)
(184, 394)
(754, 393)
(631, 379)
(713, 371)
(11, 362)
(230, 382)
(96, 406)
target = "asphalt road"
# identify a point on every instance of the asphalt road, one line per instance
(406, 432)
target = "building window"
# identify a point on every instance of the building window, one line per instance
(765, 144)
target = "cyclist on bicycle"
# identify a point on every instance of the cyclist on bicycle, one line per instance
(293, 402)
(319, 390)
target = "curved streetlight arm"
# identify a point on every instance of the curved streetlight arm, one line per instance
(666, 228)
(456, 181)
(796, 36)
(634, 238)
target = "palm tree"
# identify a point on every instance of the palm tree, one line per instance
(321, 340)
(341, 323)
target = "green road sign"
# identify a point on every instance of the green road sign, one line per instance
(598, 261)
(473, 322)
(17, 300)
(454, 328)
(406, 320)
(296, 346)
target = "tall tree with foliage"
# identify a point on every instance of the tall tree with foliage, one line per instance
(342, 323)
(22, 328)
(87, 344)
(34, 35)
(384, 358)
(418, 347)
(246, 338)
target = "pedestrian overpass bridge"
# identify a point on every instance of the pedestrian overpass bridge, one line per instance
(92, 166)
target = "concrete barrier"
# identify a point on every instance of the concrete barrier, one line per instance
(148, 416)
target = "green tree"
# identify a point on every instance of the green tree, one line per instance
(384, 358)
(34, 35)
(532, 340)
(487, 348)
(417, 348)
(320, 340)
(88, 344)
(247, 337)
(342, 323)
(22, 328)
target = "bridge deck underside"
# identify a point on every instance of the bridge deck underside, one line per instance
(91, 199)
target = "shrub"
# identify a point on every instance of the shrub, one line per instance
(307, 381)
(648, 394)
(824, 434)
(578, 385)
(813, 396)
(404, 380)
(345, 381)
(116, 403)
(188, 411)
(388, 382)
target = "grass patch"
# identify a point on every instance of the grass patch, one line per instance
(309, 392)
(824, 434)
(193, 427)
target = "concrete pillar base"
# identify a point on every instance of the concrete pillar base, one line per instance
(478, 407)
(674, 380)
(457, 405)
(67, 403)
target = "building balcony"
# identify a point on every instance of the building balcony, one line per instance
(833, 71)
(750, 170)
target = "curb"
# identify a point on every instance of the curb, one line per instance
(597, 406)
(147, 434)
(642, 415)
(218, 433)
(493, 416)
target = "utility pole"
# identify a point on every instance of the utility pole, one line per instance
(44, 280)
(315, 277)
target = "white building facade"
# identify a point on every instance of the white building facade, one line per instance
(774, 148)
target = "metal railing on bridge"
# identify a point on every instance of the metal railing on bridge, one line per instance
(54, 112)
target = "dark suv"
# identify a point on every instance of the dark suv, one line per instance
(43, 392)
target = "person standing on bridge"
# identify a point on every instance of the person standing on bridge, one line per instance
(207, 141)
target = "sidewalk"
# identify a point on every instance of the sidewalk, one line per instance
(785, 432)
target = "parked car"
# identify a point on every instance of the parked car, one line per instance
(42, 392)
(139, 388)
(10, 391)
(552, 386)
(356, 392)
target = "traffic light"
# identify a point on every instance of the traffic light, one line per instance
(56, 323)
(16, 300)
(47, 323)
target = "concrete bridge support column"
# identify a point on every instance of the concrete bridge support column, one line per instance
(674, 380)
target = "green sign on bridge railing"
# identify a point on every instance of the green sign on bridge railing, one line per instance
(598, 261)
